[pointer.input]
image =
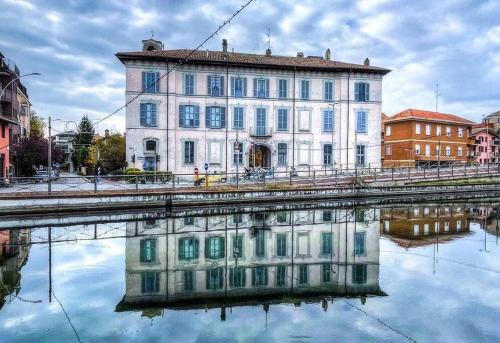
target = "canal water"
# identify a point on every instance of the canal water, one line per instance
(425, 273)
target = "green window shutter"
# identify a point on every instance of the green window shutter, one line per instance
(232, 86)
(196, 116)
(142, 256)
(267, 88)
(207, 116)
(265, 275)
(367, 92)
(157, 282)
(222, 245)
(144, 82)
(221, 92)
(181, 249)
(209, 85)
(207, 247)
(196, 248)
(244, 86)
(153, 250)
(223, 117)
(181, 115)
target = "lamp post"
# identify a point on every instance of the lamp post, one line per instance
(15, 79)
(333, 121)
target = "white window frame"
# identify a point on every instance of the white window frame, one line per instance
(428, 129)
(417, 128)
(388, 130)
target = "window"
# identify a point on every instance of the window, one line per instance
(150, 145)
(237, 277)
(304, 89)
(362, 91)
(326, 275)
(261, 88)
(259, 276)
(417, 149)
(215, 85)
(327, 216)
(238, 121)
(326, 243)
(189, 221)
(328, 90)
(448, 131)
(282, 217)
(282, 89)
(416, 229)
(388, 150)
(438, 148)
(215, 278)
(361, 124)
(260, 243)
(359, 243)
(148, 250)
(238, 153)
(427, 150)
(189, 152)
(214, 247)
(260, 122)
(388, 130)
(188, 84)
(360, 155)
(282, 119)
(150, 81)
(215, 117)
(359, 273)
(189, 116)
(417, 128)
(188, 277)
(327, 154)
(148, 114)
(238, 246)
(281, 245)
(438, 130)
(448, 151)
(237, 218)
(328, 122)
(460, 132)
(302, 244)
(280, 276)
(303, 275)
(282, 154)
(188, 249)
(150, 282)
(428, 129)
(459, 151)
(239, 87)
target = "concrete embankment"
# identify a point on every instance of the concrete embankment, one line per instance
(198, 198)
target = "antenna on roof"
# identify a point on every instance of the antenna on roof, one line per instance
(269, 38)
(437, 96)
(152, 34)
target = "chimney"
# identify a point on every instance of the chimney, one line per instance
(327, 54)
(268, 52)
(224, 45)
(300, 54)
(367, 62)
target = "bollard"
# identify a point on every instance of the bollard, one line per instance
(314, 177)
(173, 181)
(95, 184)
(136, 182)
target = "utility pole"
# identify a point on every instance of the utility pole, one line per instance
(49, 162)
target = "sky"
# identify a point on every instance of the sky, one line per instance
(455, 43)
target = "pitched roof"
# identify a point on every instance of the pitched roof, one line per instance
(497, 113)
(476, 130)
(255, 60)
(412, 114)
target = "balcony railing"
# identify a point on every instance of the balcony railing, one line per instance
(260, 131)
(8, 64)
(7, 96)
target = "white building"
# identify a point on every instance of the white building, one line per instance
(299, 112)
(240, 258)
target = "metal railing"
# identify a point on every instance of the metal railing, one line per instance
(263, 179)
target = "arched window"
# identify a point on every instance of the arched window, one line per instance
(150, 146)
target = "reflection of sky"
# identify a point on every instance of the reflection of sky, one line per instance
(459, 302)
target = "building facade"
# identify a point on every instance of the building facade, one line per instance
(418, 137)
(236, 259)
(232, 110)
(486, 149)
(64, 141)
(494, 120)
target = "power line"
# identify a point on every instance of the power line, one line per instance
(181, 62)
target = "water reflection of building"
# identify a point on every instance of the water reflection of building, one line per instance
(421, 225)
(14, 250)
(248, 259)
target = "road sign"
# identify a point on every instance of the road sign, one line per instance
(206, 166)
(196, 171)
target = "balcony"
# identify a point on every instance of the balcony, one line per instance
(261, 132)
(7, 96)
(9, 65)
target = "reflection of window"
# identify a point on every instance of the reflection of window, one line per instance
(281, 217)
(303, 244)
(215, 278)
(359, 243)
(326, 275)
(237, 218)
(326, 243)
(303, 275)
(237, 277)
(359, 273)
(214, 247)
(189, 221)
(259, 276)
(281, 276)
(188, 248)
(327, 215)
(148, 250)
(188, 276)
(237, 246)
(150, 282)
(281, 245)
(260, 243)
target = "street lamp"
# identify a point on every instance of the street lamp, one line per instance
(15, 79)
(333, 121)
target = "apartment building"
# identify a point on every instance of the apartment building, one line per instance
(493, 119)
(418, 137)
(487, 144)
(236, 259)
(230, 110)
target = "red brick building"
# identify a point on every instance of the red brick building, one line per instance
(417, 137)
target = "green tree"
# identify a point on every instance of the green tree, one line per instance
(83, 140)
(110, 153)
(37, 125)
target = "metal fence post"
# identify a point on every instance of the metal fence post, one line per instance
(424, 171)
(291, 172)
(451, 170)
(173, 181)
(409, 173)
(477, 169)
(465, 169)
(392, 173)
(49, 185)
(137, 182)
(309, 170)
(488, 167)
(336, 180)
(95, 184)
(314, 177)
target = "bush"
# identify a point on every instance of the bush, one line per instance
(147, 176)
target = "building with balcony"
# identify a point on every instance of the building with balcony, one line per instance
(493, 119)
(231, 109)
(251, 259)
(64, 141)
(487, 144)
(418, 137)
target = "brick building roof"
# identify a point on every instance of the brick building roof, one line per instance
(313, 63)
(413, 114)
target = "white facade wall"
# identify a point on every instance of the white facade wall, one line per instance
(309, 135)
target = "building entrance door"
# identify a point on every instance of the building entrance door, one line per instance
(259, 156)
